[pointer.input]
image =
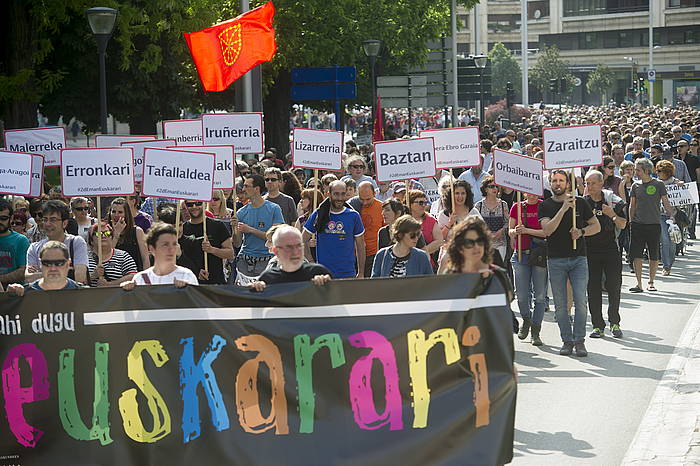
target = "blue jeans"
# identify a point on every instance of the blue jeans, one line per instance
(529, 280)
(575, 270)
(668, 247)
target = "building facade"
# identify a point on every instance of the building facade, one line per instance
(592, 32)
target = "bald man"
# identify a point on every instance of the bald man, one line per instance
(370, 210)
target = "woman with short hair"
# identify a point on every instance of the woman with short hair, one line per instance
(403, 258)
(117, 265)
(127, 236)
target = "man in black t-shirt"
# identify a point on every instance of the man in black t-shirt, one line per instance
(287, 245)
(217, 245)
(564, 262)
(604, 255)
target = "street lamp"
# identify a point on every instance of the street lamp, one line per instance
(102, 21)
(372, 48)
(632, 66)
(480, 62)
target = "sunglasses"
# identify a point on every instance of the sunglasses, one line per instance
(469, 243)
(245, 173)
(103, 234)
(414, 235)
(192, 204)
(55, 263)
(491, 186)
(696, 145)
(421, 203)
(37, 215)
(80, 209)
(356, 166)
(16, 224)
(215, 198)
(271, 179)
(610, 166)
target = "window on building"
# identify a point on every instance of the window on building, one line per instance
(538, 9)
(601, 7)
(683, 3)
(503, 23)
(589, 40)
(463, 22)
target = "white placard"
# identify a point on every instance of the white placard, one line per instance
(15, 173)
(572, 146)
(185, 132)
(518, 172)
(45, 141)
(37, 175)
(225, 168)
(455, 147)
(139, 147)
(115, 140)
(683, 194)
(243, 131)
(317, 148)
(178, 174)
(404, 159)
(105, 171)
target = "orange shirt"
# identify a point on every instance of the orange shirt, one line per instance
(372, 220)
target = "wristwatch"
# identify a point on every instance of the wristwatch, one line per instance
(614, 218)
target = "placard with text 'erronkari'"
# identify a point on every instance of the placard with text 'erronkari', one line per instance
(45, 141)
(139, 147)
(455, 147)
(404, 159)
(317, 149)
(185, 132)
(243, 131)
(572, 146)
(15, 173)
(518, 172)
(115, 140)
(178, 174)
(106, 171)
(225, 169)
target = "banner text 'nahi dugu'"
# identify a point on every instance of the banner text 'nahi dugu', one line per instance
(162, 376)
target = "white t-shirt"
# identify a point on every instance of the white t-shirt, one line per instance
(180, 273)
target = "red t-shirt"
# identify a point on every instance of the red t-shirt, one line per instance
(529, 219)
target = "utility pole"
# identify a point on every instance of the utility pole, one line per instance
(524, 46)
(651, 50)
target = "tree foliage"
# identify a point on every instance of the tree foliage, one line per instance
(550, 66)
(600, 80)
(504, 68)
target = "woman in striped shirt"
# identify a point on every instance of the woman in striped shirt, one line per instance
(117, 266)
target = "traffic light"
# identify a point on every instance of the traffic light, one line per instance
(510, 94)
(641, 85)
(553, 85)
(563, 84)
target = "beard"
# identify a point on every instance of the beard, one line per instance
(558, 191)
(4, 228)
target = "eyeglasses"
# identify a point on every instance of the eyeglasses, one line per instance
(469, 243)
(4, 218)
(16, 224)
(80, 209)
(192, 204)
(271, 179)
(356, 166)
(53, 263)
(420, 202)
(103, 234)
(291, 247)
(51, 219)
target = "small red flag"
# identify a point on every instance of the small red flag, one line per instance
(378, 129)
(226, 51)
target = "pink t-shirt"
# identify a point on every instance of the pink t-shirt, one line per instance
(529, 219)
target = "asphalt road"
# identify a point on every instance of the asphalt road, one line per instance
(587, 410)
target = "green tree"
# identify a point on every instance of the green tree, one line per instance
(504, 68)
(600, 80)
(550, 66)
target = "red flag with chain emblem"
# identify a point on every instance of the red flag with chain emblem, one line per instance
(226, 51)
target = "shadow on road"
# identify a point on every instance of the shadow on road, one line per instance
(546, 443)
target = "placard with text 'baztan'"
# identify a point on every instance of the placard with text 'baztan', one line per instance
(115, 140)
(317, 148)
(455, 147)
(518, 172)
(15, 173)
(45, 141)
(139, 147)
(185, 132)
(572, 146)
(178, 174)
(105, 171)
(37, 175)
(225, 169)
(404, 159)
(243, 131)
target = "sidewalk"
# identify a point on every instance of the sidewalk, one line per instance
(669, 433)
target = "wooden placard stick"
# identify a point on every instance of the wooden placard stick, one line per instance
(573, 193)
(99, 231)
(316, 188)
(204, 226)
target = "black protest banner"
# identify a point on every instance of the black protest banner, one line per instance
(411, 371)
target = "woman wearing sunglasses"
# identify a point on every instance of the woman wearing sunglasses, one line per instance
(694, 146)
(117, 265)
(403, 258)
(494, 211)
(469, 248)
(18, 223)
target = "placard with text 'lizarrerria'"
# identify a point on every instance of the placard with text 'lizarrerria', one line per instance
(115, 140)
(455, 147)
(178, 174)
(225, 169)
(45, 141)
(317, 148)
(139, 147)
(185, 132)
(243, 131)
(37, 175)
(105, 171)
(404, 159)
(518, 172)
(572, 146)
(15, 173)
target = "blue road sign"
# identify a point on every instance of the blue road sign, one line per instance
(323, 74)
(324, 91)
